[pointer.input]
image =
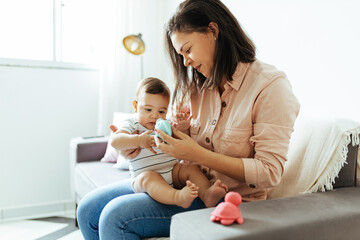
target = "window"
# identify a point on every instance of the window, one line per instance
(78, 36)
(26, 29)
(50, 30)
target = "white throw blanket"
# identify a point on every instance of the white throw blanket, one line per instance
(317, 152)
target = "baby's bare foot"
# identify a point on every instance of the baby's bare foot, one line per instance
(186, 195)
(213, 194)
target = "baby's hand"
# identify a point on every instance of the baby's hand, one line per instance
(147, 141)
(182, 121)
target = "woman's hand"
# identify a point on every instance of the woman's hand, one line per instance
(182, 146)
(130, 153)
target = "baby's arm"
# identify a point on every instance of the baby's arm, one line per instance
(123, 140)
(128, 153)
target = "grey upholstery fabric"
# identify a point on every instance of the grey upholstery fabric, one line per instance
(323, 215)
(91, 175)
(347, 175)
(90, 151)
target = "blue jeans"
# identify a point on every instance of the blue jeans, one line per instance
(116, 212)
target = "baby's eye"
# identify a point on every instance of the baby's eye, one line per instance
(148, 109)
(161, 112)
(188, 50)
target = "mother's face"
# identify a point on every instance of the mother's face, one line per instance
(197, 49)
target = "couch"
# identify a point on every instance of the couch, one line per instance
(324, 215)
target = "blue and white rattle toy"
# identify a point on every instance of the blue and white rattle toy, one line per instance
(164, 126)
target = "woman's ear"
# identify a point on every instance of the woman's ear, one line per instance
(135, 103)
(213, 27)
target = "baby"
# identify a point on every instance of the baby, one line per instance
(163, 177)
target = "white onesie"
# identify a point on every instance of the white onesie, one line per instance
(146, 160)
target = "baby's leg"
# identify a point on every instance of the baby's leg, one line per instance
(209, 194)
(156, 186)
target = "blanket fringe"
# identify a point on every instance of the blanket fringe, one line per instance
(327, 181)
(355, 137)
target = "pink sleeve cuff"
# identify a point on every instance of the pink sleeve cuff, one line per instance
(251, 173)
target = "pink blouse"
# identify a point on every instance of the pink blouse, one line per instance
(252, 120)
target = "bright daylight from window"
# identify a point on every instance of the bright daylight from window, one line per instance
(47, 30)
(26, 29)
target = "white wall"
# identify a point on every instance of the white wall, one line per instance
(316, 42)
(41, 110)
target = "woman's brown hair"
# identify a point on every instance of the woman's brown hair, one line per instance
(233, 45)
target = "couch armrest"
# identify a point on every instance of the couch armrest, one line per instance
(321, 215)
(86, 149)
(347, 174)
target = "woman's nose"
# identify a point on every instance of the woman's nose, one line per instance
(186, 61)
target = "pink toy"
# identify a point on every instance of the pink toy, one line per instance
(228, 212)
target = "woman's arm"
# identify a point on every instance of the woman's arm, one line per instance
(185, 148)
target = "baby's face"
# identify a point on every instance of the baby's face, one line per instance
(150, 108)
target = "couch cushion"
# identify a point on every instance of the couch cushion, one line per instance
(111, 154)
(322, 215)
(91, 175)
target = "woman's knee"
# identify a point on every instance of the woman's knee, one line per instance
(111, 215)
(133, 215)
(86, 213)
(91, 205)
(112, 220)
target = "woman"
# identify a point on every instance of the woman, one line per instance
(243, 113)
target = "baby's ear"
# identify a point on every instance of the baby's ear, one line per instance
(135, 103)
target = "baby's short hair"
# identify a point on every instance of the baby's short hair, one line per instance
(153, 86)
